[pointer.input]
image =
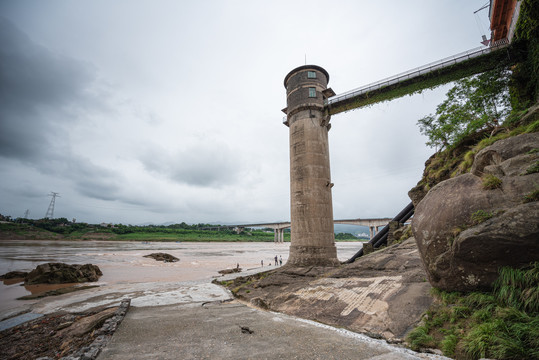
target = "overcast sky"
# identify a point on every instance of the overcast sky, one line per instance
(156, 111)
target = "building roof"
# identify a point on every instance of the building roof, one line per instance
(306, 67)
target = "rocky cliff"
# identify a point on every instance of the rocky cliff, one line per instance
(469, 226)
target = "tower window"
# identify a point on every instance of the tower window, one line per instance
(311, 75)
(312, 92)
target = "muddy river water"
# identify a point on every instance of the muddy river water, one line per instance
(122, 262)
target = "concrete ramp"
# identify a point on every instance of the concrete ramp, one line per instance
(235, 331)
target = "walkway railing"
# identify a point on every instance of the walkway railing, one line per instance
(440, 64)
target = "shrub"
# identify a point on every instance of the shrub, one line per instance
(449, 344)
(476, 103)
(491, 182)
(531, 197)
(480, 216)
(482, 338)
(419, 338)
(519, 288)
(533, 127)
(502, 324)
(532, 169)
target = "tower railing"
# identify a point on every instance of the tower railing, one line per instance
(463, 56)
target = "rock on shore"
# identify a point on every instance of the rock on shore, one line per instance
(63, 335)
(14, 275)
(60, 273)
(162, 257)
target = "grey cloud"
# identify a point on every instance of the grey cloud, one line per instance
(92, 180)
(211, 164)
(99, 189)
(42, 95)
(35, 76)
(36, 85)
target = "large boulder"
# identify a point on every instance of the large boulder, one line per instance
(60, 273)
(466, 231)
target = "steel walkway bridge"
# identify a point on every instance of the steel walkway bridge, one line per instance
(437, 73)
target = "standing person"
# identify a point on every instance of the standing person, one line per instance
(262, 263)
(276, 261)
(280, 260)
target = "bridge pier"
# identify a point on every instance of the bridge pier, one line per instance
(279, 235)
(372, 231)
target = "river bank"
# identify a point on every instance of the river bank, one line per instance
(166, 295)
(123, 262)
(189, 320)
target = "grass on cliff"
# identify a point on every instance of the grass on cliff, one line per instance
(531, 197)
(501, 324)
(491, 182)
(458, 160)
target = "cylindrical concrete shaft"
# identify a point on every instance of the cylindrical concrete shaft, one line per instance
(312, 232)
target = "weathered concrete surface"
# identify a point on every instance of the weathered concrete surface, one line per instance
(381, 294)
(235, 331)
(311, 209)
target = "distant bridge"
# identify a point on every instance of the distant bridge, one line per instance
(278, 227)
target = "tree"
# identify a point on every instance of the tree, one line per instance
(474, 103)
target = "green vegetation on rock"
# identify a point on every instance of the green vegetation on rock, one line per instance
(501, 324)
(531, 197)
(491, 182)
(458, 159)
(532, 169)
(480, 216)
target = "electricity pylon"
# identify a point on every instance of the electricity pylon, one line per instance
(50, 210)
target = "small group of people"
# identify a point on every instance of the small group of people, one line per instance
(278, 261)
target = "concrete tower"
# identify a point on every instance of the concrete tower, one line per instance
(312, 233)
